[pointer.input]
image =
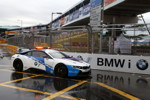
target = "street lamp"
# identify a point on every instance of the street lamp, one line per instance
(20, 22)
(53, 14)
(51, 25)
(21, 26)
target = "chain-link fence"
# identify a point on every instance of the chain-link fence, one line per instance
(123, 39)
(113, 39)
(72, 39)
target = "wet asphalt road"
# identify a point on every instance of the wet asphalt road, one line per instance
(35, 84)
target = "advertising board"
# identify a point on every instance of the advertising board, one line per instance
(88, 9)
(95, 3)
(62, 21)
(76, 15)
(11, 32)
(110, 3)
(95, 16)
(120, 63)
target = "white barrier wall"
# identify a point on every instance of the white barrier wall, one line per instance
(121, 63)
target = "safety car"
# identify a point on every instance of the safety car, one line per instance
(52, 61)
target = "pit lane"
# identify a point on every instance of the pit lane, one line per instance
(35, 84)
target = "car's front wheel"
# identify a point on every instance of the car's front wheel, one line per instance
(18, 65)
(61, 70)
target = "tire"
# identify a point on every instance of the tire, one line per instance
(61, 71)
(18, 65)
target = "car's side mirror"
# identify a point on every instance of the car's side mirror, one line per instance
(79, 57)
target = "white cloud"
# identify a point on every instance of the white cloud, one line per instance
(31, 12)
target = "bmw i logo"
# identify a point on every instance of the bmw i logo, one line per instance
(142, 64)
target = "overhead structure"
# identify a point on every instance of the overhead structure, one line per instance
(115, 11)
(129, 8)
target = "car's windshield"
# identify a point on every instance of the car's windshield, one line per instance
(57, 54)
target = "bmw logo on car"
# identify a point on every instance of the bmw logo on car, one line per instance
(142, 64)
(36, 63)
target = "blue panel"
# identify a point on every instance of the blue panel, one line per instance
(95, 3)
(55, 24)
(76, 14)
(70, 17)
(86, 10)
(72, 71)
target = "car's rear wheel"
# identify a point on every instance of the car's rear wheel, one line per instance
(18, 65)
(61, 71)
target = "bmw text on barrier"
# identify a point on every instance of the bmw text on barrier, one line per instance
(52, 61)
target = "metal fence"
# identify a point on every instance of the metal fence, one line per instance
(113, 39)
(131, 39)
(72, 39)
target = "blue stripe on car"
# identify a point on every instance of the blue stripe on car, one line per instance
(72, 71)
(40, 60)
(49, 69)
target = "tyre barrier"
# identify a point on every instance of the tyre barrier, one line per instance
(12, 49)
(2, 41)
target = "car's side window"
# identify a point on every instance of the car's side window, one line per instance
(40, 54)
(36, 54)
(29, 54)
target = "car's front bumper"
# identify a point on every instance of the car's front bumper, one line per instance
(84, 74)
(73, 72)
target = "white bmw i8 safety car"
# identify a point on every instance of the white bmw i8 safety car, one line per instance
(52, 61)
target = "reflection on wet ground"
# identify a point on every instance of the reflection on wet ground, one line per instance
(35, 84)
(42, 85)
(48, 84)
(15, 94)
(134, 84)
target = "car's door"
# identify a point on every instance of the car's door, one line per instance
(39, 62)
(43, 61)
(28, 60)
(49, 62)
